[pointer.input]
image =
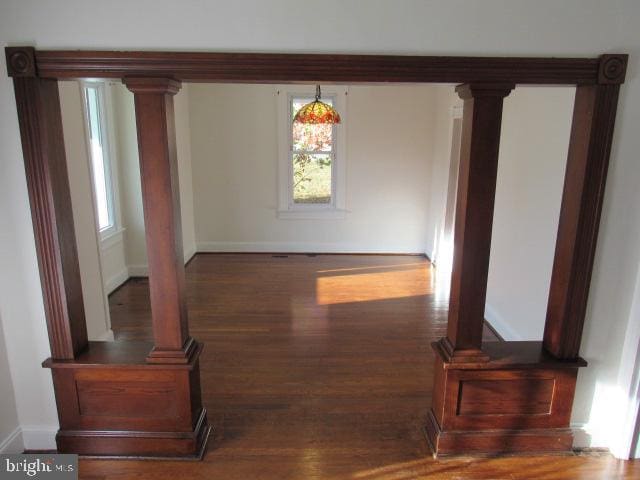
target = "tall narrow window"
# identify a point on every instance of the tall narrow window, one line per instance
(95, 114)
(312, 157)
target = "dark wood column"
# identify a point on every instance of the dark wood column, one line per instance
(588, 158)
(501, 396)
(112, 400)
(45, 164)
(161, 202)
(519, 398)
(482, 119)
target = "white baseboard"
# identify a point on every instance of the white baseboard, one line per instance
(39, 437)
(138, 271)
(143, 270)
(114, 282)
(581, 439)
(190, 252)
(106, 336)
(302, 247)
(13, 443)
(500, 325)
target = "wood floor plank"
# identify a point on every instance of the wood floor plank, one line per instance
(319, 367)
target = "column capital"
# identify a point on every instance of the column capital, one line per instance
(160, 85)
(473, 90)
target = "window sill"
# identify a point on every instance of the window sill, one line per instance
(312, 214)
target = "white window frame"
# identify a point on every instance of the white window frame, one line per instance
(113, 231)
(287, 208)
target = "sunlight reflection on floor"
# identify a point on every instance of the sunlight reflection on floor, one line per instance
(364, 285)
(422, 468)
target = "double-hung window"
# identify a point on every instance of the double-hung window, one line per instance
(312, 157)
(93, 95)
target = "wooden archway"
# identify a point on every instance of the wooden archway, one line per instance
(141, 399)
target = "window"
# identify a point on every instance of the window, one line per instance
(312, 154)
(93, 94)
(312, 157)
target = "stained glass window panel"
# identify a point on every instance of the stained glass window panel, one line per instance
(310, 137)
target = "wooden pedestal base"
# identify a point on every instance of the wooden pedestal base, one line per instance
(519, 401)
(112, 403)
(495, 441)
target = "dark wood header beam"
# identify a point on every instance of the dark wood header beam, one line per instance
(277, 68)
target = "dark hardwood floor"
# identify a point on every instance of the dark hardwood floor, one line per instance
(319, 367)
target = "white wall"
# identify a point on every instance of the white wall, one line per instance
(454, 27)
(533, 152)
(129, 177)
(536, 124)
(84, 218)
(10, 434)
(446, 100)
(183, 145)
(234, 148)
(21, 307)
(124, 253)
(129, 180)
(102, 261)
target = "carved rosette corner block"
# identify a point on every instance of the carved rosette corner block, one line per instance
(613, 68)
(21, 61)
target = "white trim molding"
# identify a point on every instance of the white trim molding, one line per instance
(30, 437)
(138, 270)
(107, 138)
(500, 324)
(115, 237)
(286, 209)
(115, 281)
(190, 252)
(303, 247)
(581, 439)
(114, 240)
(39, 437)
(312, 214)
(13, 443)
(142, 270)
(106, 336)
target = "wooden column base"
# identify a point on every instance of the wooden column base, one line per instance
(183, 355)
(188, 445)
(112, 403)
(519, 401)
(488, 442)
